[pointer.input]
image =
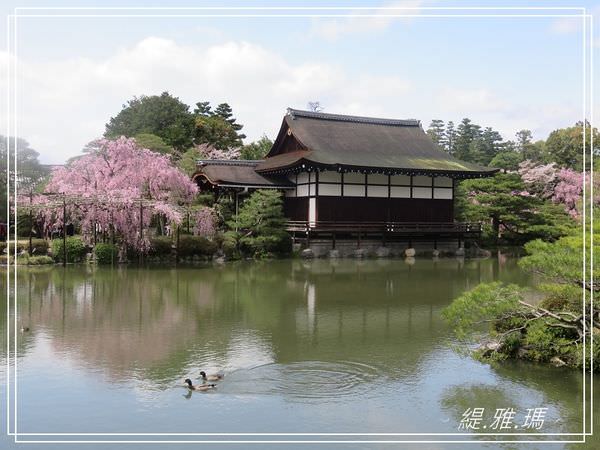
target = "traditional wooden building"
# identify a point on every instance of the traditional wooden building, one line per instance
(353, 174)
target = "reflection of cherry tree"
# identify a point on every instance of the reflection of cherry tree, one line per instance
(117, 187)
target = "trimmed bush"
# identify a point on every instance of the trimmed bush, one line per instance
(40, 246)
(230, 245)
(106, 253)
(196, 246)
(160, 246)
(76, 249)
(39, 260)
(10, 247)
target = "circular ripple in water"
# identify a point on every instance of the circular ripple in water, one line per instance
(311, 379)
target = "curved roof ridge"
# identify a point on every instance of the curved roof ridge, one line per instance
(355, 119)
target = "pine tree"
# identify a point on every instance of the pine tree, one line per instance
(524, 138)
(436, 132)
(450, 138)
(260, 222)
(203, 109)
(466, 133)
(224, 110)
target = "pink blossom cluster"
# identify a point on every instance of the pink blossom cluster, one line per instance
(205, 222)
(115, 188)
(540, 179)
(209, 152)
(562, 186)
(568, 190)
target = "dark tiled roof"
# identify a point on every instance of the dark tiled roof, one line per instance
(283, 160)
(237, 173)
(335, 140)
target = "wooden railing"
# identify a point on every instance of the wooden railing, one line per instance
(385, 227)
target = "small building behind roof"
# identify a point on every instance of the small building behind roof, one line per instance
(349, 173)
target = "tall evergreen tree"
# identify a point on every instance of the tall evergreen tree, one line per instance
(224, 110)
(436, 132)
(524, 138)
(203, 109)
(466, 133)
(450, 138)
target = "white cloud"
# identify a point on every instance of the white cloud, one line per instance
(64, 104)
(474, 100)
(334, 28)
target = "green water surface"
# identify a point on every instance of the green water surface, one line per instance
(306, 347)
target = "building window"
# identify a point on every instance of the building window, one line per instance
(442, 193)
(421, 192)
(302, 190)
(330, 189)
(353, 177)
(354, 190)
(400, 192)
(329, 176)
(377, 178)
(442, 182)
(420, 180)
(400, 180)
(377, 191)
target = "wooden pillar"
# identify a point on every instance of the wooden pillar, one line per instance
(30, 222)
(141, 230)
(177, 245)
(64, 231)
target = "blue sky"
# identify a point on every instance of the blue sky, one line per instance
(507, 73)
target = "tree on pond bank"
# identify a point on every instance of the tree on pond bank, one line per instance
(117, 188)
(552, 330)
(259, 225)
(510, 214)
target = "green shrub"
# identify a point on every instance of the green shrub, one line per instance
(229, 244)
(2, 247)
(10, 247)
(160, 246)
(76, 249)
(39, 260)
(196, 246)
(262, 225)
(106, 253)
(40, 246)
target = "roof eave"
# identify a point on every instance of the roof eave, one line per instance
(312, 165)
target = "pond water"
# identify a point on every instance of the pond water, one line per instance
(306, 347)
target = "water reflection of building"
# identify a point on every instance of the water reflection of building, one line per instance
(157, 323)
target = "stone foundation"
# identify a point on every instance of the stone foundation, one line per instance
(374, 249)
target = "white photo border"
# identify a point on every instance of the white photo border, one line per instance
(11, 125)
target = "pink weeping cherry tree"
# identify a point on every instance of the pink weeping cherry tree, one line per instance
(116, 187)
(562, 186)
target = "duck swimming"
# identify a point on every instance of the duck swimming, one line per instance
(200, 387)
(212, 377)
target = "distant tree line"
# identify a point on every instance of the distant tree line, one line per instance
(473, 143)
